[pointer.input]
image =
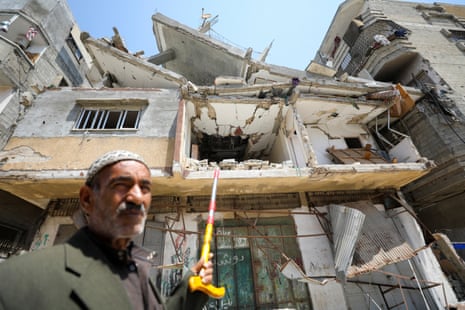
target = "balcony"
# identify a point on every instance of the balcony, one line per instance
(23, 36)
(317, 141)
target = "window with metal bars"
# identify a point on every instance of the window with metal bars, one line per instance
(104, 119)
(9, 240)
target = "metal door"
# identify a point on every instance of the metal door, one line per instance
(247, 262)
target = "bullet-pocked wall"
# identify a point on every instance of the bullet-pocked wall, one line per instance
(65, 130)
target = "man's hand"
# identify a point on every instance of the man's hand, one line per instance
(204, 270)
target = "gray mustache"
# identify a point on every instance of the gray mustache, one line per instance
(129, 206)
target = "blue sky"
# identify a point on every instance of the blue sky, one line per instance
(296, 27)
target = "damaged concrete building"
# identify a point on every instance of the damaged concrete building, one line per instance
(399, 44)
(317, 173)
(419, 45)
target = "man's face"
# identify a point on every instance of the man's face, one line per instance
(118, 202)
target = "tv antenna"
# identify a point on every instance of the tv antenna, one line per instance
(207, 21)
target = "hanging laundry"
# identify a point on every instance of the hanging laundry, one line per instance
(31, 33)
(400, 33)
(381, 39)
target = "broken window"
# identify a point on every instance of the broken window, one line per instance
(455, 35)
(440, 18)
(75, 44)
(73, 47)
(353, 32)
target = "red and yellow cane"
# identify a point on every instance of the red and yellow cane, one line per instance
(195, 282)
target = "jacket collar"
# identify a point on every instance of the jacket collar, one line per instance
(95, 286)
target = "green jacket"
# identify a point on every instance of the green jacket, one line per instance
(74, 276)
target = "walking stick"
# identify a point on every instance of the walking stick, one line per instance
(195, 282)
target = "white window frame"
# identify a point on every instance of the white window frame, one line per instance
(109, 115)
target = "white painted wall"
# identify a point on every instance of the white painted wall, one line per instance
(280, 151)
(324, 137)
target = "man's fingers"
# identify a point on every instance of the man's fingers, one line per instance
(201, 265)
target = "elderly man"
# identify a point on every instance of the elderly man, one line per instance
(99, 267)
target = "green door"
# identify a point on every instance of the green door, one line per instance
(247, 261)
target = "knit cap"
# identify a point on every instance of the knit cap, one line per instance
(109, 159)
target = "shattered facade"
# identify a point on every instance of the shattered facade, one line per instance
(419, 45)
(311, 212)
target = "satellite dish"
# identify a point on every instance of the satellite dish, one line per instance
(206, 25)
(206, 16)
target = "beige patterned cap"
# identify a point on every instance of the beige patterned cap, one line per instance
(111, 158)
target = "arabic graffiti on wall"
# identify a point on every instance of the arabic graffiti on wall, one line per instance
(41, 242)
(171, 277)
